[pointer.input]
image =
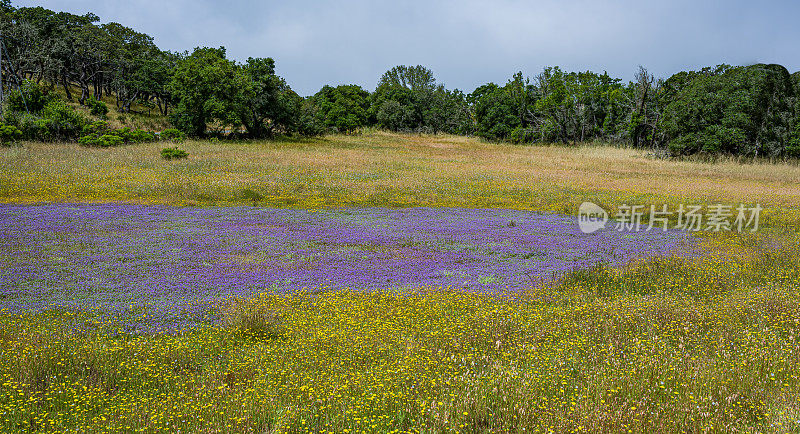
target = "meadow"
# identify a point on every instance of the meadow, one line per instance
(390, 283)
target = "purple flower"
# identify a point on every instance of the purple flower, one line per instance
(174, 263)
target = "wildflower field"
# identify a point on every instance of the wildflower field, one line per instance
(390, 283)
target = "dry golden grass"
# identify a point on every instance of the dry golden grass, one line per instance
(382, 169)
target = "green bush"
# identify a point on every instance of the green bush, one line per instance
(107, 140)
(98, 134)
(684, 145)
(129, 135)
(343, 108)
(103, 141)
(96, 127)
(123, 133)
(89, 139)
(56, 121)
(33, 98)
(140, 136)
(34, 128)
(97, 108)
(62, 121)
(173, 153)
(9, 134)
(308, 122)
(173, 134)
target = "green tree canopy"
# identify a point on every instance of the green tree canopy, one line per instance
(206, 85)
(415, 78)
(395, 107)
(496, 113)
(409, 99)
(265, 103)
(343, 108)
(736, 110)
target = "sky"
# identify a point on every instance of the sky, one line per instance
(466, 43)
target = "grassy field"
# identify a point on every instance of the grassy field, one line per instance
(709, 343)
(381, 169)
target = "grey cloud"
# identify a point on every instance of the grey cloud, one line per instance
(466, 43)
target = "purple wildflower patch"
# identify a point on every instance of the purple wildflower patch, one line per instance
(173, 263)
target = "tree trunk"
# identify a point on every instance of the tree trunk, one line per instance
(65, 84)
(84, 93)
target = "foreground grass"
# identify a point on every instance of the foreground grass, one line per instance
(664, 346)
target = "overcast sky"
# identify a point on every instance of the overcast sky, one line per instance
(466, 43)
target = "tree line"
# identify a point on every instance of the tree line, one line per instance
(743, 110)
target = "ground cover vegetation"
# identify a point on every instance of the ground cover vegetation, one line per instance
(148, 317)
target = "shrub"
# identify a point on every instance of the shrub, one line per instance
(395, 116)
(33, 98)
(98, 134)
(103, 141)
(684, 145)
(96, 127)
(89, 139)
(141, 136)
(308, 122)
(107, 140)
(123, 133)
(62, 121)
(133, 136)
(343, 108)
(173, 153)
(97, 108)
(34, 128)
(56, 121)
(9, 134)
(173, 134)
